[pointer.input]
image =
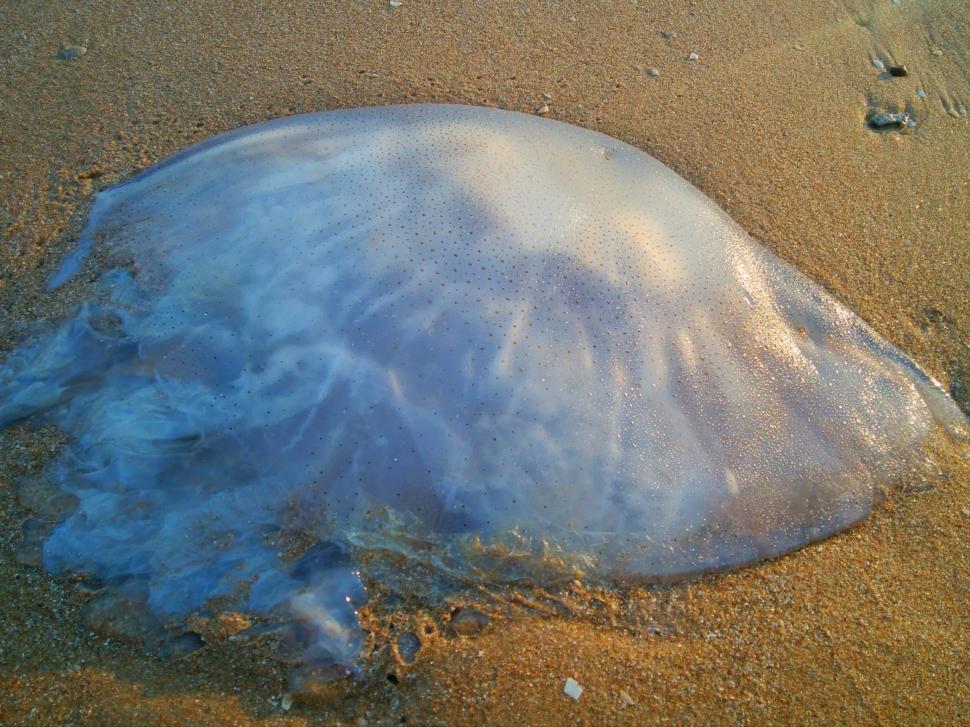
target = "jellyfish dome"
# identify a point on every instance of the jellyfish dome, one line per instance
(451, 333)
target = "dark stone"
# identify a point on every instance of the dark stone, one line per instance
(886, 119)
(898, 71)
(71, 53)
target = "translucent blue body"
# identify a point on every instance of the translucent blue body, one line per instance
(459, 334)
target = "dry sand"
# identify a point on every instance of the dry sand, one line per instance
(869, 627)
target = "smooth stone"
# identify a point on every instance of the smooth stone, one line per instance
(468, 621)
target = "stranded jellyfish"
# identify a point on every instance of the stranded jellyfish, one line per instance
(502, 346)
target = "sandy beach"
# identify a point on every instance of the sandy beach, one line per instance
(769, 120)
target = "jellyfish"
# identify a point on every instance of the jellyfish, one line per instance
(499, 345)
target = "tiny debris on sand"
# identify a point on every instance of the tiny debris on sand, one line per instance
(888, 119)
(71, 52)
(573, 688)
(468, 621)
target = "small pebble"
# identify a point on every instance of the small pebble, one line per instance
(573, 688)
(879, 64)
(396, 3)
(668, 34)
(543, 110)
(653, 72)
(921, 93)
(468, 621)
(625, 699)
(898, 71)
(692, 56)
(547, 96)
(71, 52)
(884, 119)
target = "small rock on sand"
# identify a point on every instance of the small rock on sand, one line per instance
(887, 119)
(71, 52)
(573, 688)
(468, 621)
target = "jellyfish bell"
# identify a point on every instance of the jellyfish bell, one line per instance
(459, 335)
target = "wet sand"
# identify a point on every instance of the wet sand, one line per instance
(770, 121)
